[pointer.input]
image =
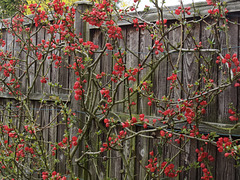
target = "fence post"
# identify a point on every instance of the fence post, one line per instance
(83, 28)
(80, 25)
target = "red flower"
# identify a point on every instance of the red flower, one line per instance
(177, 11)
(44, 80)
(162, 133)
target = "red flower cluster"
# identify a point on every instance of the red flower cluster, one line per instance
(204, 156)
(158, 45)
(78, 90)
(169, 170)
(114, 31)
(44, 80)
(223, 143)
(186, 9)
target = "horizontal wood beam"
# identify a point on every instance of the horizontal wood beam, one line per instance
(39, 97)
(204, 127)
(152, 15)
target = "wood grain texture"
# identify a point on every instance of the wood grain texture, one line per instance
(122, 90)
(142, 155)
(38, 85)
(229, 94)
(225, 167)
(175, 60)
(187, 157)
(32, 61)
(190, 59)
(238, 95)
(63, 76)
(132, 61)
(209, 60)
(145, 43)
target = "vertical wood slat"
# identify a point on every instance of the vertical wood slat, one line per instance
(52, 133)
(46, 71)
(75, 107)
(159, 80)
(225, 98)
(122, 90)
(225, 167)
(116, 162)
(4, 37)
(132, 61)
(106, 64)
(94, 141)
(145, 43)
(22, 66)
(190, 66)
(38, 85)
(32, 69)
(206, 35)
(142, 144)
(81, 27)
(229, 94)
(54, 71)
(174, 36)
(212, 150)
(95, 37)
(190, 75)
(238, 91)
(175, 39)
(10, 49)
(142, 155)
(63, 75)
(61, 166)
(4, 49)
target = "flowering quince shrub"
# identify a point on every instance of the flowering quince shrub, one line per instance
(26, 152)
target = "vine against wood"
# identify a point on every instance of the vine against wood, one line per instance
(157, 81)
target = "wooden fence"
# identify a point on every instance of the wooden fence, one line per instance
(138, 41)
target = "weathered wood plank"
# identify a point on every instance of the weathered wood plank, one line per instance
(225, 167)
(38, 97)
(115, 163)
(31, 59)
(52, 133)
(229, 94)
(175, 60)
(187, 157)
(23, 56)
(106, 64)
(122, 90)
(38, 85)
(145, 43)
(61, 166)
(152, 15)
(208, 59)
(142, 153)
(238, 94)
(190, 59)
(159, 84)
(54, 71)
(131, 62)
(63, 76)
